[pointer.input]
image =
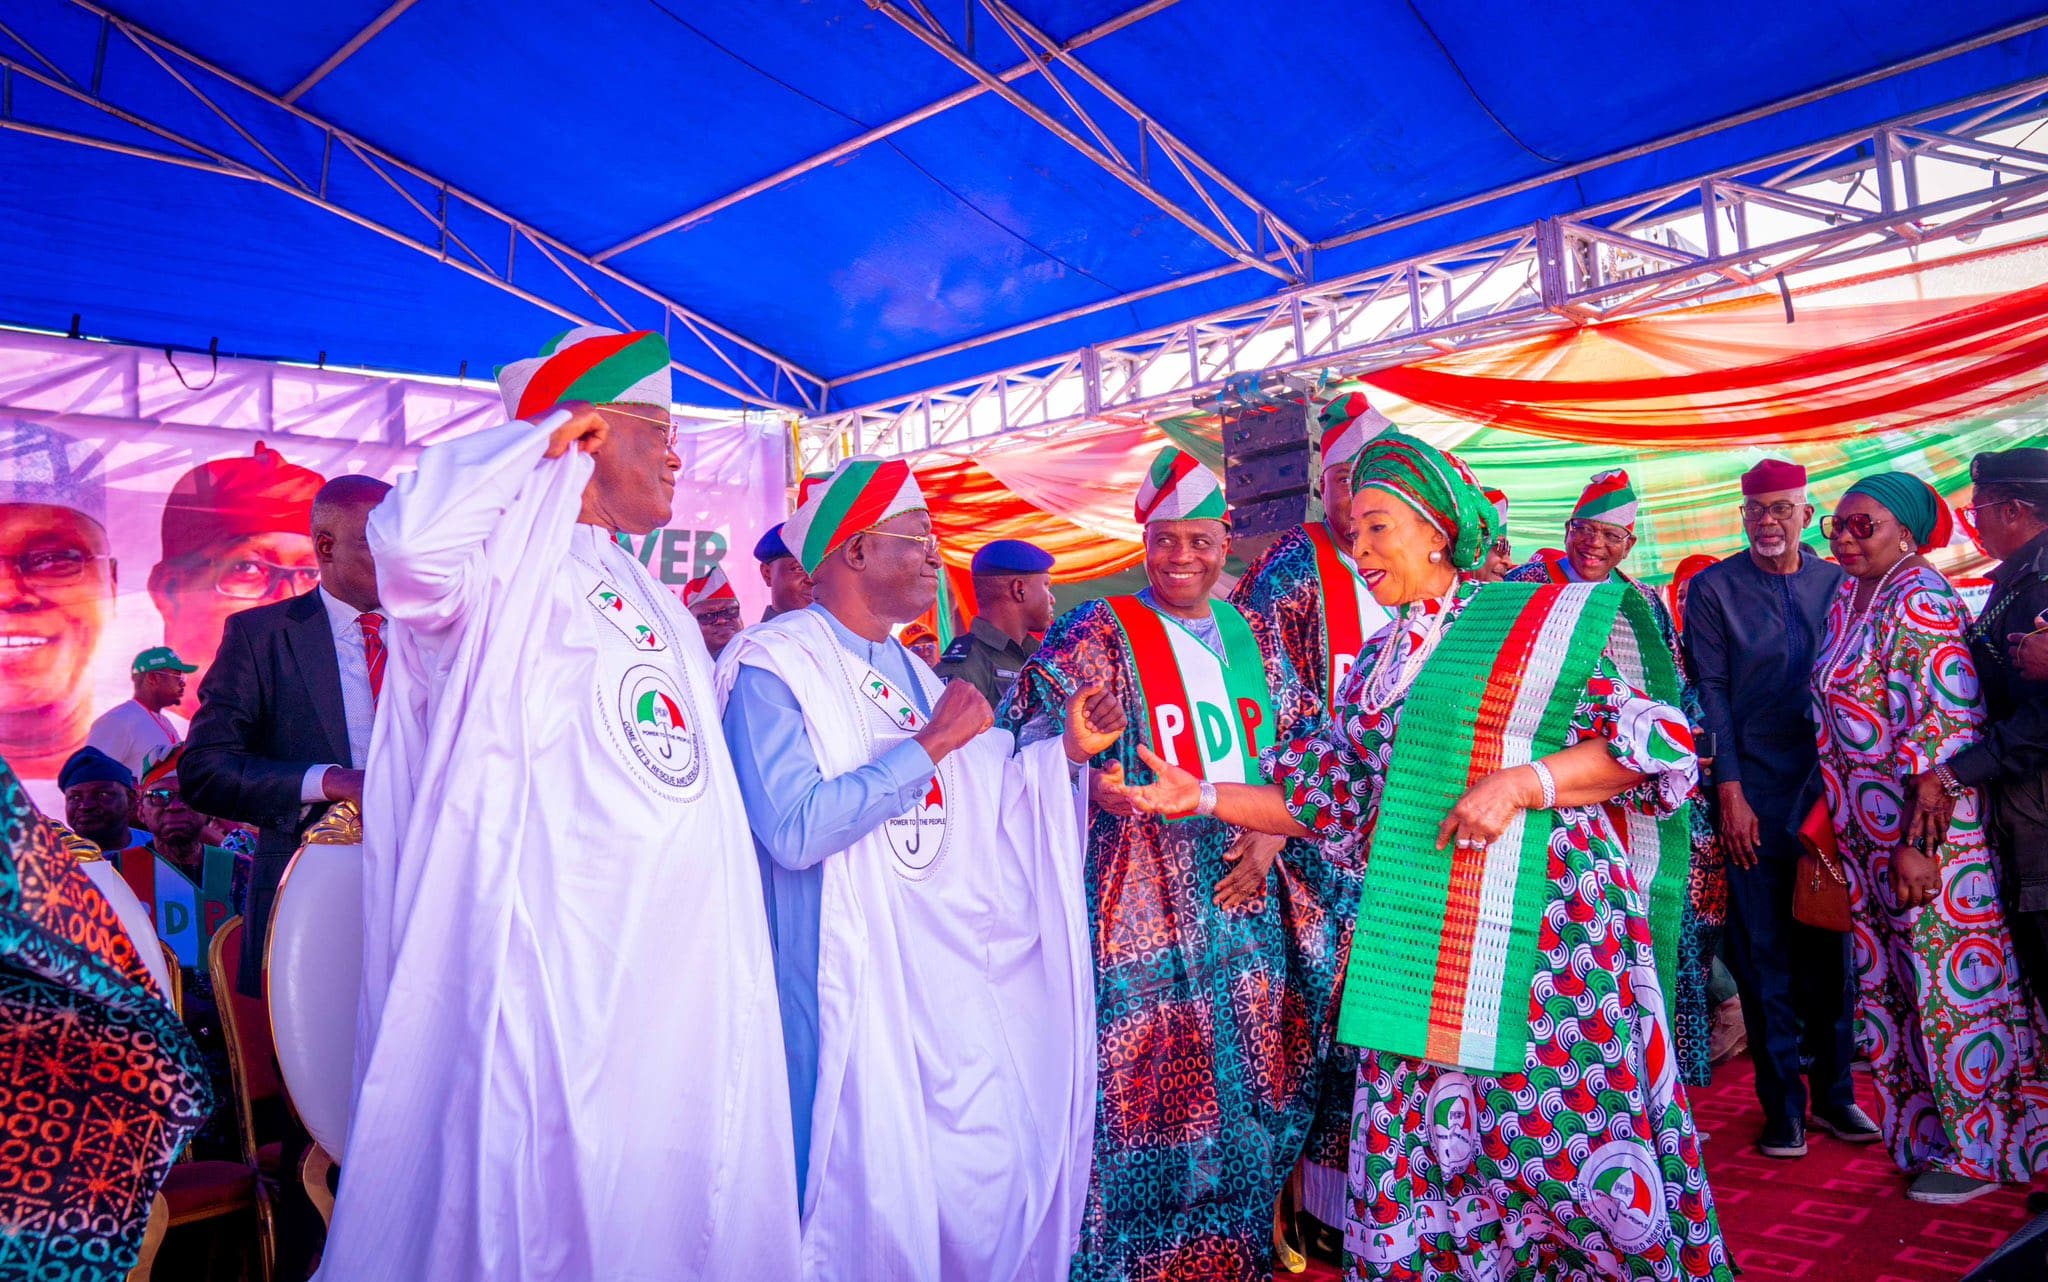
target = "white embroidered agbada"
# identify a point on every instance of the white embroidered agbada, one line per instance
(570, 1056)
(954, 1114)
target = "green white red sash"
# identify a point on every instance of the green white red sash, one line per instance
(185, 914)
(1350, 615)
(1211, 715)
(1451, 936)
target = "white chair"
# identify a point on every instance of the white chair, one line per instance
(313, 969)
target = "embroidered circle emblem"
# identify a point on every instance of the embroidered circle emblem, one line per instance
(1974, 968)
(1653, 1036)
(918, 837)
(1979, 1061)
(1453, 1118)
(657, 729)
(1971, 895)
(1621, 1190)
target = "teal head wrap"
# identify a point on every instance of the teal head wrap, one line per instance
(1913, 501)
(1437, 486)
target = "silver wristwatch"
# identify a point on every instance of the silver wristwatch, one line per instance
(1207, 805)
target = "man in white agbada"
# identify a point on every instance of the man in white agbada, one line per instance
(570, 1060)
(931, 935)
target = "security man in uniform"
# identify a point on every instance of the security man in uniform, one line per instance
(1013, 594)
(2010, 762)
(789, 588)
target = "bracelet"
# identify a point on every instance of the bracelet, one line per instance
(1543, 777)
(1207, 805)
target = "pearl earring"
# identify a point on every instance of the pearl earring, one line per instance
(1434, 557)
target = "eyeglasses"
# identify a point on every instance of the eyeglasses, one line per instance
(926, 543)
(250, 578)
(52, 567)
(1860, 526)
(1607, 534)
(163, 796)
(1500, 546)
(665, 425)
(1779, 511)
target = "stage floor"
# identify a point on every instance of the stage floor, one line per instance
(1839, 1214)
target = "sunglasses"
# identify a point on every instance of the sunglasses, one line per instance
(1860, 526)
(163, 796)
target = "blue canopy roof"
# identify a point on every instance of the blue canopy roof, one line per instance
(595, 123)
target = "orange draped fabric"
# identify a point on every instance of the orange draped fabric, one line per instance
(1736, 373)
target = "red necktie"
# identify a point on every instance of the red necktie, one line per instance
(373, 651)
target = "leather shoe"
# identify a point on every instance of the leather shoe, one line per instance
(1849, 1124)
(1783, 1137)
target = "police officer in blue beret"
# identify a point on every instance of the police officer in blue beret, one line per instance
(1013, 597)
(2009, 762)
(789, 588)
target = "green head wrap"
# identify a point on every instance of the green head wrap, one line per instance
(1913, 501)
(1437, 486)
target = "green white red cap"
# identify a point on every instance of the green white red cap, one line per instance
(1178, 488)
(589, 363)
(859, 495)
(1344, 416)
(1609, 499)
(708, 588)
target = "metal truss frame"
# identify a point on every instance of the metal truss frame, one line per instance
(1947, 173)
(413, 207)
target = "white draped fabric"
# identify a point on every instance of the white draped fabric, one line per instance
(569, 1051)
(955, 1108)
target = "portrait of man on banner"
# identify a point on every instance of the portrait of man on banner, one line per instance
(57, 585)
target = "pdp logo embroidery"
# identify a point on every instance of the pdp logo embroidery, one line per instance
(657, 729)
(918, 837)
(626, 617)
(1623, 1192)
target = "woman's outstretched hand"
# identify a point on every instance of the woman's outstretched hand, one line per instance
(1173, 792)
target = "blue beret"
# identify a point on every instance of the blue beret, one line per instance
(1011, 556)
(770, 546)
(90, 765)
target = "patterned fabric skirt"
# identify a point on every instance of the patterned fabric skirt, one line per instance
(1943, 1016)
(1585, 1166)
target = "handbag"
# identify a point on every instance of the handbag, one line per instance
(1820, 889)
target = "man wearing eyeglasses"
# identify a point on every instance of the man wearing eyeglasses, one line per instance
(1598, 538)
(913, 863)
(234, 536)
(2009, 513)
(572, 1064)
(57, 583)
(1752, 624)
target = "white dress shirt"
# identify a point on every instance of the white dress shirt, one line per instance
(355, 692)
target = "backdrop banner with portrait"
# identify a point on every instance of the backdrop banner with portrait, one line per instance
(144, 497)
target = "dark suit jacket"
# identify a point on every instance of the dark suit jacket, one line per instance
(270, 709)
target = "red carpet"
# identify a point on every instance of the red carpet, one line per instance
(1839, 1214)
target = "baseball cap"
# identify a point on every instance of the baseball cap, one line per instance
(160, 658)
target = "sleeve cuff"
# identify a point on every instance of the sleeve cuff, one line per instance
(1973, 767)
(908, 765)
(313, 788)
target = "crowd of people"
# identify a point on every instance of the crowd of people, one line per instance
(1177, 936)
